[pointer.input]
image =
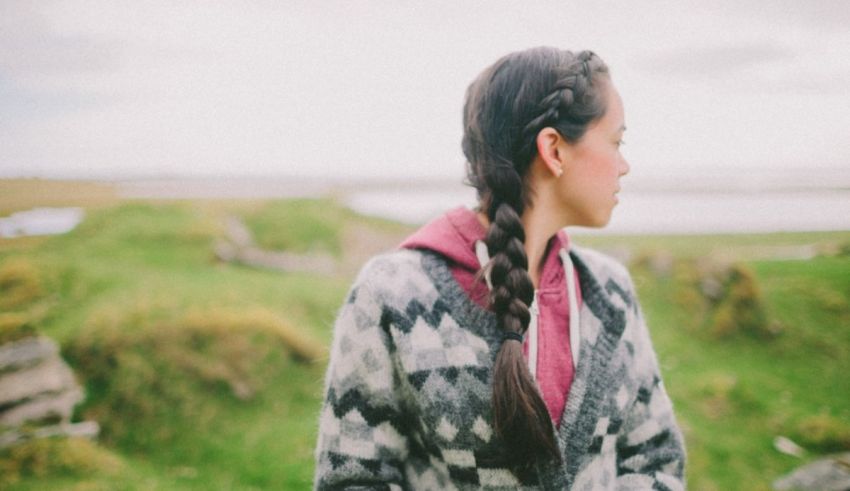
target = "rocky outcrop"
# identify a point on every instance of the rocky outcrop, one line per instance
(38, 392)
(827, 474)
(240, 248)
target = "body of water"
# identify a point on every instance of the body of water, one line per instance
(40, 221)
(727, 200)
(655, 212)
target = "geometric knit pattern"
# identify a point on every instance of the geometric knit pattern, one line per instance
(408, 399)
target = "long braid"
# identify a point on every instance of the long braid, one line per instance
(506, 107)
(514, 389)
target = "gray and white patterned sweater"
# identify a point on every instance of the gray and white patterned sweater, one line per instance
(407, 391)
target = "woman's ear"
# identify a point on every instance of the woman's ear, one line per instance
(550, 148)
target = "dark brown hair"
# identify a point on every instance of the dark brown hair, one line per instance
(505, 109)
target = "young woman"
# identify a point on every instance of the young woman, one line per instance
(488, 351)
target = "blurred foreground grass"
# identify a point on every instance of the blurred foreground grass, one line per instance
(187, 368)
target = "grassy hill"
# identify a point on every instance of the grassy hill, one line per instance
(188, 369)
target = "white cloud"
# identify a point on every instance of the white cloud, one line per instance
(375, 88)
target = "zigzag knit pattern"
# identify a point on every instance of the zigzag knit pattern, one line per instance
(408, 392)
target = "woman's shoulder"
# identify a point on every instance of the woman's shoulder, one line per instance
(391, 266)
(396, 276)
(602, 265)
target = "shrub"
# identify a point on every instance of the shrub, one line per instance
(723, 394)
(38, 458)
(20, 283)
(15, 326)
(687, 294)
(830, 300)
(823, 433)
(740, 307)
(149, 369)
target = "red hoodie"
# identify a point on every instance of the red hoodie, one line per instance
(453, 235)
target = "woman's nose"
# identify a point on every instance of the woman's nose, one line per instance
(624, 167)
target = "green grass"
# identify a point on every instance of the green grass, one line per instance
(163, 335)
(737, 245)
(734, 395)
(138, 269)
(307, 225)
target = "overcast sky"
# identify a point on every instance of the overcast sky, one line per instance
(123, 89)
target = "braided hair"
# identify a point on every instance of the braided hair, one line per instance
(505, 109)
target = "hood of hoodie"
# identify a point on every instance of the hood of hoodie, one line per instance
(453, 235)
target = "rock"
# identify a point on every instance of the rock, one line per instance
(661, 264)
(711, 288)
(284, 261)
(238, 233)
(238, 247)
(88, 429)
(828, 474)
(225, 251)
(51, 376)
(46, 407)
(26, 352)
(241, 389)
(36, 387)
(787, 446)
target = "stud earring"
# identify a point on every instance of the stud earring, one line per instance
(559, 172)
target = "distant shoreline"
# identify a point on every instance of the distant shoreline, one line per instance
(783, 203)
(719, 180)
(669, 206)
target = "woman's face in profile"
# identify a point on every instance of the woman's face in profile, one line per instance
(587, 190)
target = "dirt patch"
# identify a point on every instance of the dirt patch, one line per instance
(23, 194)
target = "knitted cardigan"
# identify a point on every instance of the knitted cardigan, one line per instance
(408, 392)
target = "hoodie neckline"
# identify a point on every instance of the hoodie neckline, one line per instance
(453, 235)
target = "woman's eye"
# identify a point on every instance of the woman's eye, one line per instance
(621, 143)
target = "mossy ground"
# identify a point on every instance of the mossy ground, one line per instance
(187, 371)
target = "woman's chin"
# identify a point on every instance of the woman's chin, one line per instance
(591, 220)
(603, 221)
(600, 222)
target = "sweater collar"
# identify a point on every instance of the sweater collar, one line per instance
(453, 235)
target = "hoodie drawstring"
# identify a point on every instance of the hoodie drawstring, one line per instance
(571, 293)
(484, 259)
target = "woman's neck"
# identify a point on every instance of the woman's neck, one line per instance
(539, 229)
